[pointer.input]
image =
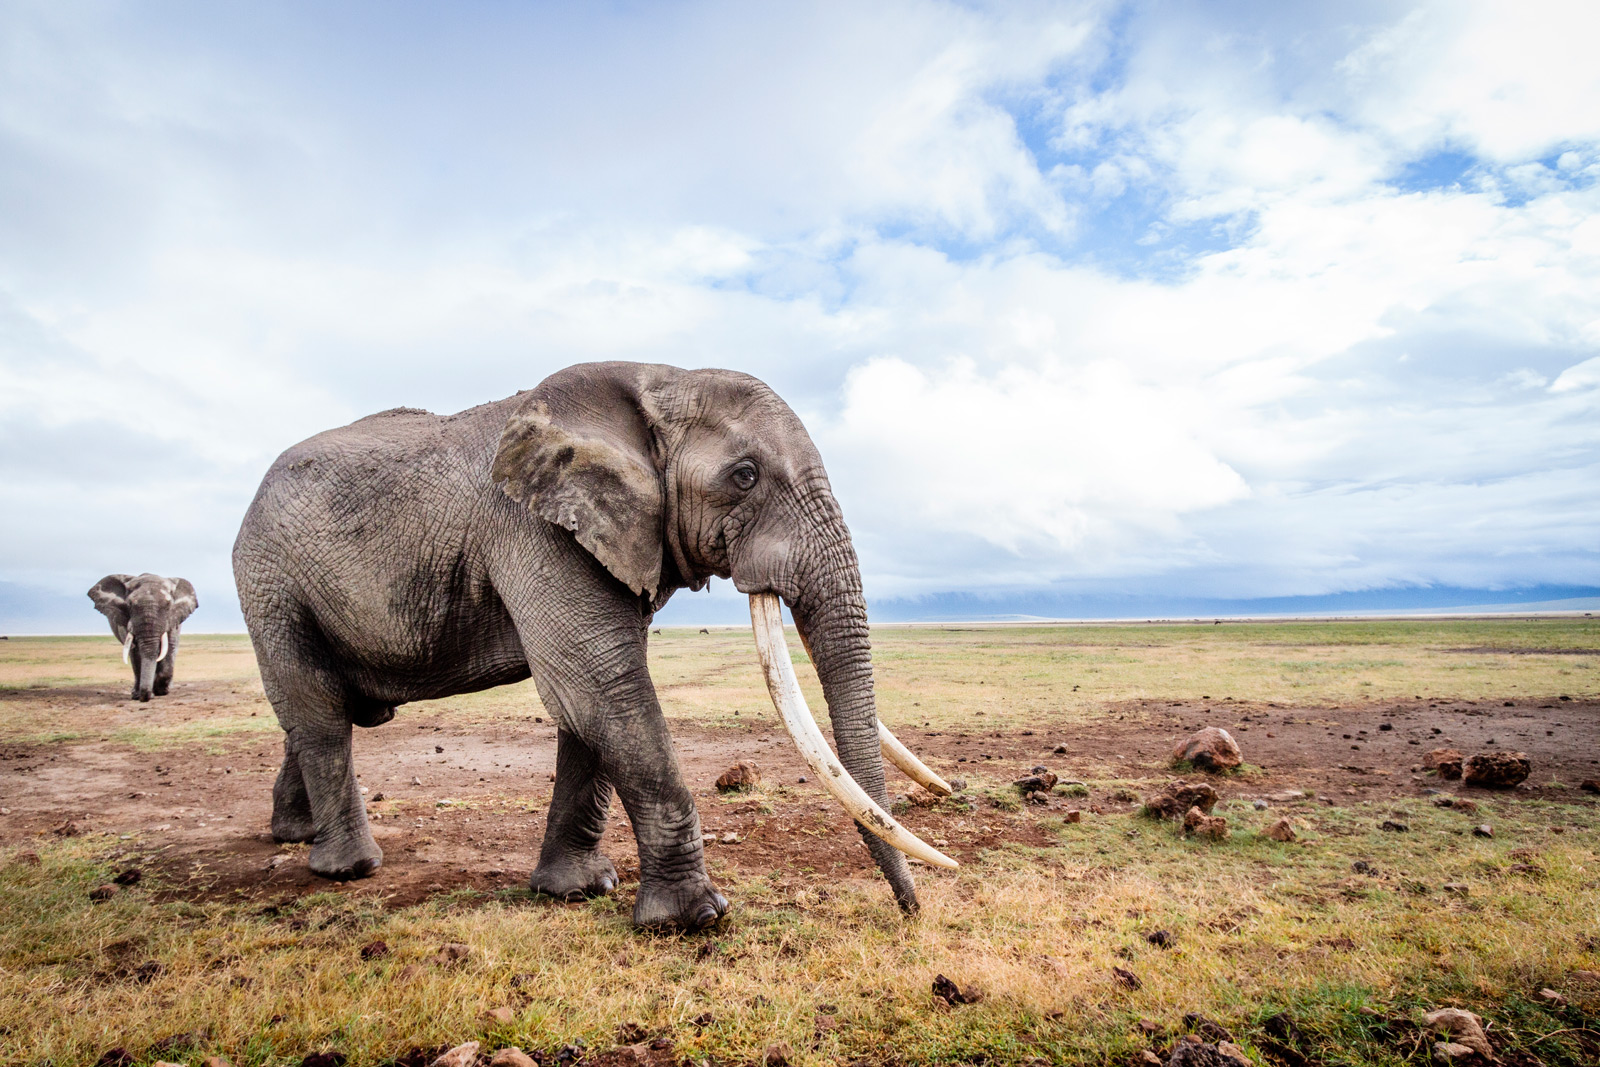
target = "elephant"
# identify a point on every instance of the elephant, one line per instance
(146, 613)
(410, 556)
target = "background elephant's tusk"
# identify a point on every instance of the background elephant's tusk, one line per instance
(907, 761)
(163, 654)
(127, 646)
(766, 618)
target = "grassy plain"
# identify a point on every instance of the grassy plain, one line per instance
(829, 971)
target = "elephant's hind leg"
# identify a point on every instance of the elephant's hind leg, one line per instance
(341, 846)
(291, 805)
(571, 865)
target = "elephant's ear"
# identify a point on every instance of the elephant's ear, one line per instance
(110, 596)
(184, 600)
(581, 452)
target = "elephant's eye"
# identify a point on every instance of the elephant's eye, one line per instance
(744, 476)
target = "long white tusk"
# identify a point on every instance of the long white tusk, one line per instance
(766, 618)
(163, 654)
(906, 760)
(127, 646)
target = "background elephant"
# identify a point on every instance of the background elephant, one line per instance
(145, 613)
(411, 556)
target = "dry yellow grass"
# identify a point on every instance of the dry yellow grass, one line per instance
(829, 969)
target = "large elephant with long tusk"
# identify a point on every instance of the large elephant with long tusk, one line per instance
(410, 556)
(146, 612)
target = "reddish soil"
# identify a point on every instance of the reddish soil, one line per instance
(202, 820)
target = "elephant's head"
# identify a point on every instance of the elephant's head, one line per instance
(144, 612)
(669, 477)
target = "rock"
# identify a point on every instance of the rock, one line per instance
(951, 994)
(740, 778)
(68, 829)
(1457, 889)
(1197, 1053)
(1450, 1051)
(374, 950)
(1496, 770)
(1073, 815)
(216, 1061)
(131, 876)
(1149, 1027)
(1259, 804)
(1211, 749)
(1483, 830)
(1212, 826)
(463, 1055)
(1160, 938)
(323, 1059)
(1463, 1027)
(511, 1057)
(1280, 831)
(1060, 750)
(776, 1056)
(1466, 807)
(1288, 796)
(501, 1016)
(1229, 1051)
(1590, 785)
(165, 1063)
(1126, 977)
(30, 858)
(1177, 797)
(1552, 998)
(104, 892)
(1394, 827)
(452, 953)
(1146, 1058)
(1447, 761)
(1035, 783)
(958, 784)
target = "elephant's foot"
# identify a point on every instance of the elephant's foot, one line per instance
(160, 689)
(141, 695)
(290, 826)
(689, 904)
(346, 857)
(574, 878)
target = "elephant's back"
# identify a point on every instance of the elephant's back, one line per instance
(351, 517)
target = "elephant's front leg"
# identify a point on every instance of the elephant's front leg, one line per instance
(571, 866)
(165, 669)
(674, 889)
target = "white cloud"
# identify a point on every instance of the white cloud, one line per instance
(1096, 293)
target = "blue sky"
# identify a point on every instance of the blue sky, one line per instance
(1081, 302)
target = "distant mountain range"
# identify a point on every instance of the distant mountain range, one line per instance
(27, 609)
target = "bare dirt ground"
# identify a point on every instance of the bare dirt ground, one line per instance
(457, 804)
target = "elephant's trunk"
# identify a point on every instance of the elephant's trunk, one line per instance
(147, 673)
(831, 614)
(150, 645)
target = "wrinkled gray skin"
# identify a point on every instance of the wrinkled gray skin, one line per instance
(149, 606)
(411, 556)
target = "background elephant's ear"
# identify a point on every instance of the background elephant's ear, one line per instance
(580, 452)
(110, 596)
(184, 600)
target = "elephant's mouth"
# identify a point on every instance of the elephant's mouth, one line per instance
(766, 618)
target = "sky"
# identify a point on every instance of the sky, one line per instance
(1083, 303)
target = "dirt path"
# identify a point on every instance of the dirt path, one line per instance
(464, 804)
